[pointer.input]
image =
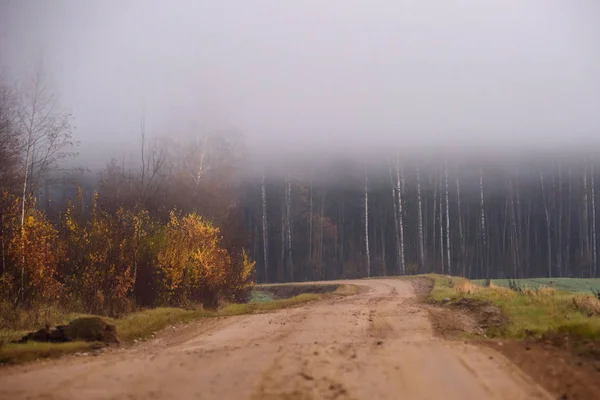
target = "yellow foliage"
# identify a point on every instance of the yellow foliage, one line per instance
(36, 250)
(587, 304)
(191, 259)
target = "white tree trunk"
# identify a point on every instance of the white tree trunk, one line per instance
(265, 229)
(441, 223)
(585, 245)
(310, 231)
(460, 229)
(560, 257)
(448, 241)
(289, 227)
(594, 253)
(367, 224)
(396, 223)
(420, 222)
(400, 183)
(548, 229)
(482, 222)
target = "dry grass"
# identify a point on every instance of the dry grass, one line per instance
(531, 312)
(587, 304)
(464, 286)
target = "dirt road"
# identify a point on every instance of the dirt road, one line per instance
(375, 345)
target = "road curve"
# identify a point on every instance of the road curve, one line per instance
(378, 344)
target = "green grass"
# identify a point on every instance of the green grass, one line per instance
(143, 324)
(565, 284)
(260, 296)
(20, 353)
(534, 313)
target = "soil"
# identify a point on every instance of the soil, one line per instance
(285, 291)
(89, 329)
(377, 344)
(566, 368)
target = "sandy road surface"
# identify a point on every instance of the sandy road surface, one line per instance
(375, 345)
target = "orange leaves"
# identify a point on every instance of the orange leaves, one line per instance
(35, 251)
(191, 258)
(102, 260)
(192, 261)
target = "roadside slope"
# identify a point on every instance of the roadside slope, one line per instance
(377, 344)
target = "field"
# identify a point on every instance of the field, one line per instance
(564, 284)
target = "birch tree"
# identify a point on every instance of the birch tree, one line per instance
(399, 190)
(448, 241)
(593, 269)
(367, 224)
(265, 233)
(289, 226)
(420, 221)
(46, 138)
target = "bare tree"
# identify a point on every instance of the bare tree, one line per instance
(400, 189)
(265, 233)
(593, 269)
(448, 241)
(46, 138)
(461, 233)
(396, 204)
(288, 193)
(367, 224)
(548, 228)
(420, 222)
(482, 224)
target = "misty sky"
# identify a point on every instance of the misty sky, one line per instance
(317, 73)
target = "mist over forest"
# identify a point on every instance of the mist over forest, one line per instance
(308, 141)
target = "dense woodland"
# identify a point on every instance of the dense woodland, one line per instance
(183, 218)
(502, 217)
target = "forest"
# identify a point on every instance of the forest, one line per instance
(201, 217)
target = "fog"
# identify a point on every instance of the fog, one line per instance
(312, 77)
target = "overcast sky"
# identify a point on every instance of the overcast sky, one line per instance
(317, 73)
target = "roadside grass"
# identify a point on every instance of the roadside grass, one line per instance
(139, 325)
(531, 313)
(584, 285)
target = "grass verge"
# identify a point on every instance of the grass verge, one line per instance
(143, 324)
(539, 312)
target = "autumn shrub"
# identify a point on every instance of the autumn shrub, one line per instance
(109, 263)
(31, 255)
(194, 267)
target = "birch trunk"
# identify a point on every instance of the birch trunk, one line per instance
(594, 253)
(400, 183)
(585, 226)
(460, 229)
(420, 222)
(482, 223)
(367, 224)
(559, 256)
(568, 238)
(289, 228)
(441, 222)
(265, 233)
(448, 241)
(396, 223)
(548, 229)
(310, 231)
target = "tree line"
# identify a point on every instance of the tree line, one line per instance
(183, 219)
(498, 218)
